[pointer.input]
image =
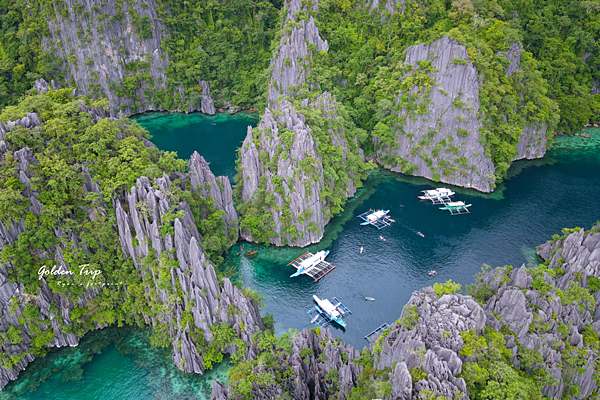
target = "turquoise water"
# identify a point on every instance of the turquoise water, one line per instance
(112, 363)
(215, 137)
(540, 198)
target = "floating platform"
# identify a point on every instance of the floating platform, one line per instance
(378, 219)
(320, 317)
(376, 332)
(316, 272)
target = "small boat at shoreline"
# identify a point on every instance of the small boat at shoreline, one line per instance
(436, 193)
(369, 298)
(251, 253)
(437, 196)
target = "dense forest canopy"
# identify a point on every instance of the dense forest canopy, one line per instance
(229, 44)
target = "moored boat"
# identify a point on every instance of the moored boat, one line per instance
(456, 207)
(332, 311)
(310, 263)
(436, 194)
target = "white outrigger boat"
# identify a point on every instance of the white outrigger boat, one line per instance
(456, 207)
(327, 311)
(437, 196)
(378, 218)
(309, 263)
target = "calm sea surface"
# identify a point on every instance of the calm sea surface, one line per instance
(539, 199)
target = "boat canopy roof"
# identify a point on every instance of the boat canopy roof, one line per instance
(376, 215)
(455, 204)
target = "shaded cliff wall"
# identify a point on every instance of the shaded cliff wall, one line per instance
(114, 49)
(284, 165)
(542, 323)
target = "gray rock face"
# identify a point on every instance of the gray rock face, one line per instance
(217, 188)
(433, 343)
(41, 86)
(210, 303)
(91, 37)
(290, 65)
(537, 318)
(303, 188)
(281, 156)
(445, 143)
(310, 373)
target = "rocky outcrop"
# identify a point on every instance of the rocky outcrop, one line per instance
(114, 49)
(545, 317)
(290, 67)
(444, 142)
(210, 303)
(157, 234)
(53, 308)
(218, 189)
(438, 130)
(433, 344)
(317, 367)
(282, 169)
(551, 313)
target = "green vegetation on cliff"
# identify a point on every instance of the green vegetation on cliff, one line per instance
(77, 226)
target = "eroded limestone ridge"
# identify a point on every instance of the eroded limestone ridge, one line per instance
(157, 234)
(103, 51)
(188, 269)
(541, 322)
(289, 190)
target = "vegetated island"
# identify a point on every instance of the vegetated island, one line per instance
(452, 91)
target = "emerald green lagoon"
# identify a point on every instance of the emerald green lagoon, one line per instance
(215, 137)
(538, 200)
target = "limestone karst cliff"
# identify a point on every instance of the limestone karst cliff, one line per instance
(147, 241)
(301, 162)
(534, 330)
(114, 49)
(438, 127)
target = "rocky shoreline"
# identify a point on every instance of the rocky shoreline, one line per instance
(545, 320)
